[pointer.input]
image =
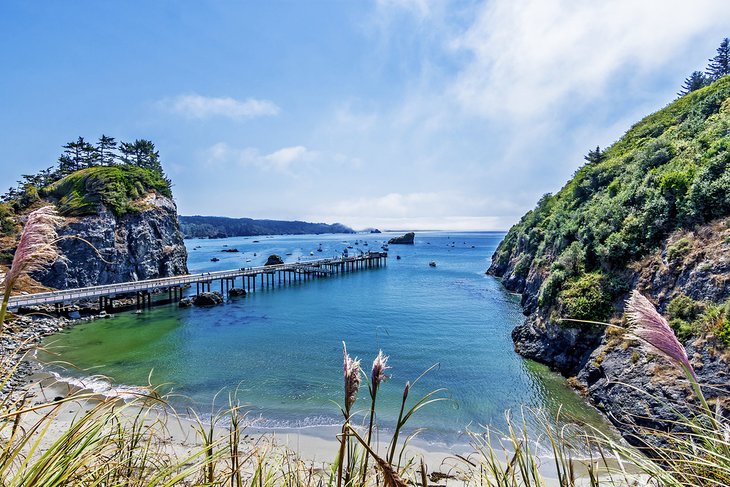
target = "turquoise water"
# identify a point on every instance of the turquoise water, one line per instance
(282, 348)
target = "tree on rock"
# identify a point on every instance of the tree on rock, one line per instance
(141, 153)
(720, 64)
(106, 147)
(695, 81)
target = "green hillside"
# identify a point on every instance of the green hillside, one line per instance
(670, 171)
(117, 187)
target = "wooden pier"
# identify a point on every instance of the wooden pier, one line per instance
(267, 277)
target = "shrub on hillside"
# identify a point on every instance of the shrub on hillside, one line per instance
(586, 298)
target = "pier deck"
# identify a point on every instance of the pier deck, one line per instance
(268, 276)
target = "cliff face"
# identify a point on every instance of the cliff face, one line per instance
(649, 213)
(144, 244)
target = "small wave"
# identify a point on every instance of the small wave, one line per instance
(101, 386)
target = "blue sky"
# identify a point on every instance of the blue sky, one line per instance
(389, 113)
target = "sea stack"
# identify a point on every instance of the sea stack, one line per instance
(406, 239)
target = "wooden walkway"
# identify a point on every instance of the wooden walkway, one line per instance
(268, 276)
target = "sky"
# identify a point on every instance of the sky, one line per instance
(395, 114)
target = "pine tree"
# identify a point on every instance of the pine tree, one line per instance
(596, 156)
(106, 148)
(694, 82)
(141, 153)
(90, 156)
(73, 155)
(720, 65)
(66, 164)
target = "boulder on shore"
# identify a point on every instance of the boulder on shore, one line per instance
(236, 291)
(274, 260)
(208, 299)
(406, 239)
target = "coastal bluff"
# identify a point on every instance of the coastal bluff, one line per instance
(649, 213)
(134, 246)
(119, 224)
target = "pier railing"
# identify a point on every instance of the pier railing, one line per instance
(293, 271)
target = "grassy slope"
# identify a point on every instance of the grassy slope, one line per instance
(670, 171)
(117, 187)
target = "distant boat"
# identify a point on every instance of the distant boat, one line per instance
(432, 263)
(350, 246)
(289, 253)
(214, 259)
(311, 253)
(397, 257)
(319, 249)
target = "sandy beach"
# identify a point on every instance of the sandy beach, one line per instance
(178, 435)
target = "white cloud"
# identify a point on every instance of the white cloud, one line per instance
(287, 160)
(421, 8)
(419, 205)
(531, 57)
(203, 107)
(283, 159)
(420, 211)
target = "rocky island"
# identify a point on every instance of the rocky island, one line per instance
(407, 239)
(122, 218)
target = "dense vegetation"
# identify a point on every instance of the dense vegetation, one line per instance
(221, 227)
(117, 187)
(670, 171)
(86, 175)
(138, 169)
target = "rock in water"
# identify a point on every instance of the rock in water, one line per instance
(274, 260)
(185, 302)
(208, 299)
(406, 239)
(236, 291)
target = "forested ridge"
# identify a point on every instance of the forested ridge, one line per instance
(221, 227)
(671, 171)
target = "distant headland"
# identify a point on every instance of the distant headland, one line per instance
(222, 227)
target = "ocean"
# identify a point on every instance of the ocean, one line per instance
(279, 350)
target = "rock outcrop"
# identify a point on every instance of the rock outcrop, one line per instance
(406, 239)
(208, 299)
(138, 245)
(274, 260)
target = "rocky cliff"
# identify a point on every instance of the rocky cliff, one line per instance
(144, 244)
(648, 213)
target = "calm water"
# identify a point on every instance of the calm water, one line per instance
(282, 348)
